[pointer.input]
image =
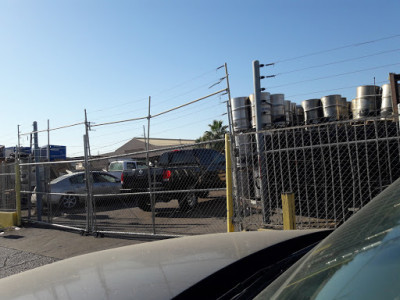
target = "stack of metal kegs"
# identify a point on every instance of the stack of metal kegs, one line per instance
(276, 111)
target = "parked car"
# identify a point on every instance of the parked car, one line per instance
(66, 190)
(359, 260)
(118, 166)
(178, 170)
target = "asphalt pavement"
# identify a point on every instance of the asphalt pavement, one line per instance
(30, 246)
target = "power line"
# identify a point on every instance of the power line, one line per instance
(331, 90)
(160, 92)
(335, 75)
(338, 62)
(338, 48)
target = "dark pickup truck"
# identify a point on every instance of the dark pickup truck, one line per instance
(184, 175)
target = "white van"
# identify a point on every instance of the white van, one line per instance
(117, 167)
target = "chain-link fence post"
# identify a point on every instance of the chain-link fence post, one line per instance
(229, 181)
(152, 200)
(18, 191)
(88, 183)
(37, 173)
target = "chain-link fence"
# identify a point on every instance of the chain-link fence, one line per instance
(138, 185)
(333, 169)
(182, 193)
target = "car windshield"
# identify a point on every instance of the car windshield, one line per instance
(115, 166)
(141, 164)
(360, 260)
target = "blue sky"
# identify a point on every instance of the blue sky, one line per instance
(58, 58)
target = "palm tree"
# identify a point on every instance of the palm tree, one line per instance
(217, 131)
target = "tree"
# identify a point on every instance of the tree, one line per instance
(217, 131)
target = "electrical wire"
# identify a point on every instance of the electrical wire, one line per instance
(160, 92)
(155, 105)
(52, 129)
(337, 62)
(331, 90)
(335, 75)
(199, 121)
(337, 48)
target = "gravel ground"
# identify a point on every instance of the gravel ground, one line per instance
(26, 248)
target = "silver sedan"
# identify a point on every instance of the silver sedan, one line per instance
(69, 190)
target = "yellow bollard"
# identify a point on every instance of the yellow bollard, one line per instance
(289, 217)
(229, 195)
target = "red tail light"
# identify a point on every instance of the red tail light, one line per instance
(122, 178)
(166, 175)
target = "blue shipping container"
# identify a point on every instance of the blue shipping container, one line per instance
(57, 152)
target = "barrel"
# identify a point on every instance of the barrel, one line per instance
(278, 108)
(293, 120)
(299, 115)
(387, 104)
(333, 107)
(355, 110)
(288, 106)
(368, 101)
(312, 111)
(265, 106)
(240, 113)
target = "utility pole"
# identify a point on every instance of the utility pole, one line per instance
(259, 136)
(90, 203)
(151, 196)
(37, 172)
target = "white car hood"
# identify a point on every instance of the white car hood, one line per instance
(153, 270)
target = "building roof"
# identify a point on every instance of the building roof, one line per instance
(138, 144)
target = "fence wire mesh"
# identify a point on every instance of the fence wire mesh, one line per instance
(176, 187)
(333, 169)
(182, 193)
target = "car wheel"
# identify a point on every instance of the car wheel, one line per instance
(69, 202)
(188, 202)
(144, 203)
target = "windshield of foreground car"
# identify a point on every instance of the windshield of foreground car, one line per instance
(360, 260)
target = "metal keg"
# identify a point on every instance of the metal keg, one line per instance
(355, 110)
(278, 108)
(265, 106)
(240, 113)
(332, 107)
(299, 115)
(368, 101)
(293, 120)
(312, 111)
(387, 105)
(288, 105)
